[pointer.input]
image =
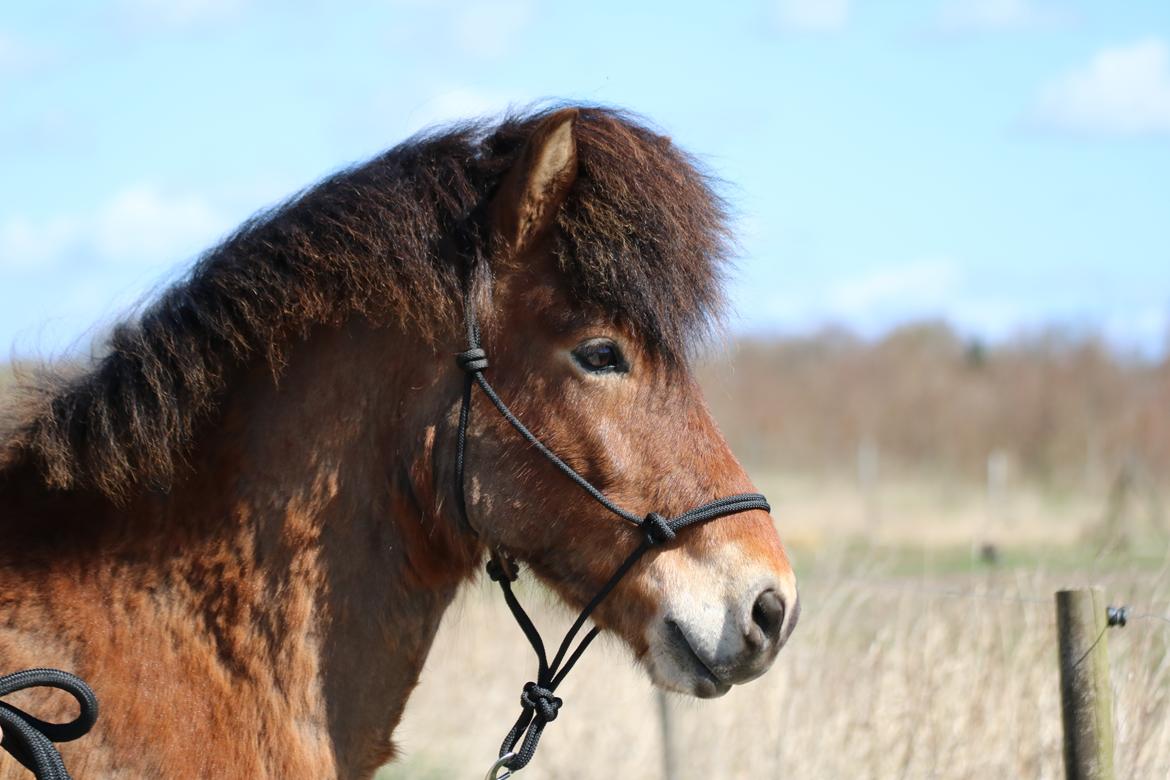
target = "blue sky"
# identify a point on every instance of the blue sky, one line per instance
(1001, 163)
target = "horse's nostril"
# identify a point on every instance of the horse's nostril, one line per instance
(768, 614)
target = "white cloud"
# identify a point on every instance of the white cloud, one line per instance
(915, 288)
(25, 243)
(143, 225)
(813, 15)
(17, 56)
(481, 28)
(1145, 326)
(151, 14)
(995, 15)
(387, 115)
(491, 29)
(1123, 90)
(973, 296)
(140, 226)
(870, 301)
(447, 105)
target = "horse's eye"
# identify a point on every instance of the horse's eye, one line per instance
(599, 356)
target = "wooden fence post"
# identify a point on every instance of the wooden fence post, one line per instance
(1086, 698)
(868, 458)
(669, 748)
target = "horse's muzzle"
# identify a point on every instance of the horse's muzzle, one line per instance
(704, 650)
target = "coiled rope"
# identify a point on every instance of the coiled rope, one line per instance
(30, 739)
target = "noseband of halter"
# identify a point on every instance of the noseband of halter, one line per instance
(539, 703)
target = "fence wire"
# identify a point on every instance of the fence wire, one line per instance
(926, 590)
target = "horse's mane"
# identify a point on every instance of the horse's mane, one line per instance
(642, 236)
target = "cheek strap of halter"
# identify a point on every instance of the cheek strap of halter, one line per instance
(539, 704)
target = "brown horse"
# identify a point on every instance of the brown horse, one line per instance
(240, 525)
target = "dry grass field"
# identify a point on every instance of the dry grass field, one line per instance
(909, 662)
(6, 378)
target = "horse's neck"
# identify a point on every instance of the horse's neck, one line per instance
(336, 465)
(303, 560)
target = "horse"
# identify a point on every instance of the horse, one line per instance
(239, 520)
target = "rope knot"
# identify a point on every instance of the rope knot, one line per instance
(542, 700)
(472, 360)
(497, 572)
(658, 531)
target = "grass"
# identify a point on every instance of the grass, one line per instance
(7, 377)
(914, 658)
(909, 561)
(886, 677)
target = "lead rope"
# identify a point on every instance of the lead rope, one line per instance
(538, 701)
(30, 739)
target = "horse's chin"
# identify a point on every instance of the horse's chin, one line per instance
(697, 686)
(673, 665)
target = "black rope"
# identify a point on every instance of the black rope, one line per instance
(538, 702)
(30, 739)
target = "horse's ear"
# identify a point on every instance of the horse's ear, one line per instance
(534, 189)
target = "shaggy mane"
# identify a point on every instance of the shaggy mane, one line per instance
(642, 235)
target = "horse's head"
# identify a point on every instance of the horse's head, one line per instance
(708, 610)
